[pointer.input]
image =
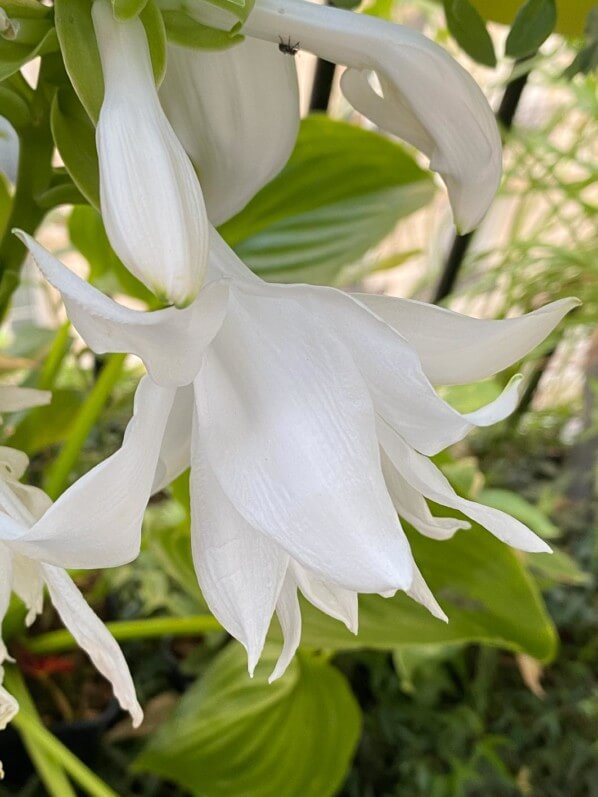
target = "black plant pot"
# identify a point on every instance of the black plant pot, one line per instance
(82, 737)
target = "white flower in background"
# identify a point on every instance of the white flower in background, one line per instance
(9, 150)
(151, 202)
(25, 569)
(307, 416)
(395, 76)
(236, 112)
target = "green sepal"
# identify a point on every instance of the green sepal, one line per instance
(74, 26)
(34, 37)
(14, 108)
(185, 31)
(74, 136)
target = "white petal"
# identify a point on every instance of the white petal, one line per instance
(22, 398)
(236, 112)
(455, 349)
(175, 453)
(151, 201)
(170, 342)
(421, 593)
(288, 612)
(401, 392)
(428, 98)
(240, 571)
(28, 583)
(8, 708)
(328, 598)
(425, 477)
(289, 432)
(97, 521)
(6, 575)
(91, 634)
(9, 150)
(412, 506)
(13, 463)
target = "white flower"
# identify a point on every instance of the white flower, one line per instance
(402, 81)
(150, 197)
(28, 521)
(307, 417)
(14, 398)
(236, 112)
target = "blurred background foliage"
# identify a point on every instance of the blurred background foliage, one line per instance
(503, 700)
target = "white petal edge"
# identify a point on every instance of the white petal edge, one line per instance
(93, 637)
(456, 349)
(336, 602)
(425, 477)
(170, 342)
(240, 571)
(22, 398)
(97, 521)
(288, 612)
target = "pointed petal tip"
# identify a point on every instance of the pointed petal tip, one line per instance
(136, 713)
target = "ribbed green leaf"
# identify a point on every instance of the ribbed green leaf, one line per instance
(342, 191)
(233, 736)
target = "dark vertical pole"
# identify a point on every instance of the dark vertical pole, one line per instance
(456, 256)
(322, 86)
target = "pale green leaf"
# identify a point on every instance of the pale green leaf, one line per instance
(469, 30)
(233, 736)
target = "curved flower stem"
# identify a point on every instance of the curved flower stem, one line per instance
(58, 473)
(48, 768)
(122, 630)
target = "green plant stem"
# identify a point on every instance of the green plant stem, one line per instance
(51, 367)
(122, 630)
(29, 725)
(58, 473)
(49, 770)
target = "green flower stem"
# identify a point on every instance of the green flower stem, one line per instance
(48, 768)
(58, 473)
(122, 630)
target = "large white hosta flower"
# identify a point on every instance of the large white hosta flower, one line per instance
(402, 81)
(151, 201)
(26, 569)
(307, 416)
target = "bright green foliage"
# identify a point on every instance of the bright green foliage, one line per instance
(32, 34)
(533, 24)
(188, 32)
(74, 136)
(479, 582)
(342, 191)
(232, 736)
(469, 30)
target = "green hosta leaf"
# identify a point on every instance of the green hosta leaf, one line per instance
(480, 583)
(533, 24)
(232, 736)
(468, 398)
(469, 30)
(87, 233)
(80, 52)
(515, 505)
(558, 568)
(127, 9)
(74, 136)
(342, 191)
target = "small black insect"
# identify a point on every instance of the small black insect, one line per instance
(288, 47)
